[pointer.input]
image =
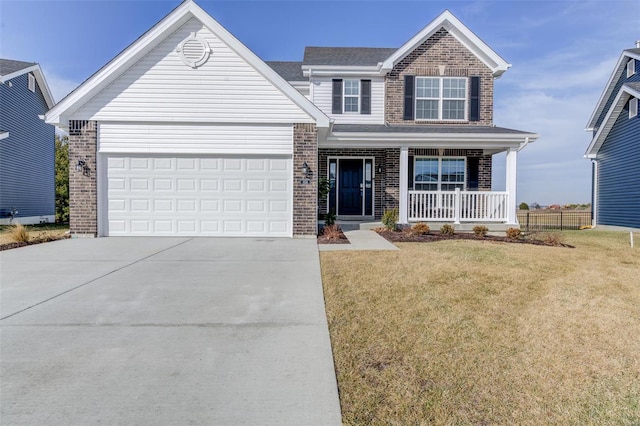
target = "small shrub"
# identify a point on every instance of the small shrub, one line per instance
(480, 231)
(514, 233)
(390, 219)
(18, 233)
(420, 229)
(332, 232)
(330, 218)
(447, 229)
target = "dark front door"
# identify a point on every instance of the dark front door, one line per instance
(350, 187)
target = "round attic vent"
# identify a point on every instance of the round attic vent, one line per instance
(194, 51)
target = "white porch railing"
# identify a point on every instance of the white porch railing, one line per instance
(458, 206)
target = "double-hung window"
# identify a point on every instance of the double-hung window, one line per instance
(441, 98)
(351, 95)
(439, 173)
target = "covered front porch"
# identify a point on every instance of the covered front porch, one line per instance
(458, 205)
(433, 174)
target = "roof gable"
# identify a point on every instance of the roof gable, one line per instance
(627, 91)
(458, 30)
(10, 69)
(132, 55)
(608, 93)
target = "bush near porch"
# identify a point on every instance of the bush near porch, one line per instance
(477, 332)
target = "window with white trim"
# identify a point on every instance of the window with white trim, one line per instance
(441, 98)
(631, 67)
(633, 107)
(351, 95)
(32, 83)
(439, 173)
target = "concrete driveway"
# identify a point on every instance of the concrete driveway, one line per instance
(165, 331)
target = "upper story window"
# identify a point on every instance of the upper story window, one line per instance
(32, 83)
(633, 107)
(441, 98)
(439, 173)
(631, 67)
(351, 96)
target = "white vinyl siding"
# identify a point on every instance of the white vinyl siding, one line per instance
(321, 91)
(195, 138)
(160, 87)
(198, 196)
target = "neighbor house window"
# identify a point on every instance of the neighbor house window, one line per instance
(351, 95)
(439, 173)
(633, 107)
(441, 98)
(32, 82)
(631, 67)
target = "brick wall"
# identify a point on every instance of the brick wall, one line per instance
(305, 192)
(440, 49)
(83, 194)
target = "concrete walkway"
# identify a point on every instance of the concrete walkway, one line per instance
(361, 238)
(165, 331)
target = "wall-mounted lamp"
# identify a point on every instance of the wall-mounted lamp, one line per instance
(306, 170)
(81, 166)
(379, 169)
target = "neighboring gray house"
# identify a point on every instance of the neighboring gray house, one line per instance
(27, 146)
(187, 132)
(615, 147)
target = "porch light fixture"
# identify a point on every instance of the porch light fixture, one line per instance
(81, 166)
(306, 170)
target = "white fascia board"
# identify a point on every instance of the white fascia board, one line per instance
(187, 10)
(436, 140)
(39, 75)
(607, 124)
(324, 70)
(4, 135)
(7, 77)
(321, 119)
(608, 89)
(463, 34)
(109, 72)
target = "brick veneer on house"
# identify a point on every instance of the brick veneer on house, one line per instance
(305, 192)
(440, 49)
(83, 194)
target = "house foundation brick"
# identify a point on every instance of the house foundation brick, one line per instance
(305, 189)
(83, 192)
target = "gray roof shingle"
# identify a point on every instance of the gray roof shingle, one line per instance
(9, 66)
(382, 128)
(290, 71)
(346, 55)
(634, 50)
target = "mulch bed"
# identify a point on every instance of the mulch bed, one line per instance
(14, 245)
(407, 237)
(340, 239)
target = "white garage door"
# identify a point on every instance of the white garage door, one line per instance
(199, 196)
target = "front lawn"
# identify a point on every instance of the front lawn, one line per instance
(478, 332)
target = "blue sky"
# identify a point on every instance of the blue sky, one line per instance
(562, 52)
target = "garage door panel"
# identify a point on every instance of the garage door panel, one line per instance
(191, 196)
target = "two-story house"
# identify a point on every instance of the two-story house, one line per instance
(615, 147)
(187, 132)
(27, 170)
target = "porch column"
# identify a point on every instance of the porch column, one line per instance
(404, 185)
(512, 160)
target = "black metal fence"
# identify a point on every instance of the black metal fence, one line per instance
(544, 220)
